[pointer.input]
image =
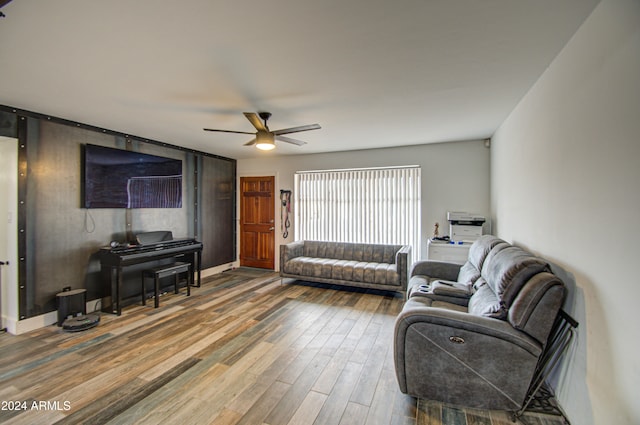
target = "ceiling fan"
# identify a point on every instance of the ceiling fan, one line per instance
(265, 138)
(3, 3)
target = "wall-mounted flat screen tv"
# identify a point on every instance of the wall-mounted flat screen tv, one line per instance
(116, 178)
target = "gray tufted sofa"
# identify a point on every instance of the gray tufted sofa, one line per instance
(362, 265)
(472, 335)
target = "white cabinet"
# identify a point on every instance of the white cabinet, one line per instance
(451, 253)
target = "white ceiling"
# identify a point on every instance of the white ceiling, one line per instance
(372, 73)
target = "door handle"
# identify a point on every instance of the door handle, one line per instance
(271, 228)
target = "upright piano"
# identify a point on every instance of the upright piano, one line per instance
(150, 247)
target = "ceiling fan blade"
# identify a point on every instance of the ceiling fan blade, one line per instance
(227, 131)
(252, 142)
(296, 129)
(255, 120)
(290, 140)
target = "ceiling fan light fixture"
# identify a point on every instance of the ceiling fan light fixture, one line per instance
(265, 146)
(265, 141)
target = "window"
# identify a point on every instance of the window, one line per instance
(377, 205)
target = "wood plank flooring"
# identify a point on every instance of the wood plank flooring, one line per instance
(244, 348)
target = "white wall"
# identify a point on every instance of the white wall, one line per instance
(565, 184)
(455, 176)
(8, 232)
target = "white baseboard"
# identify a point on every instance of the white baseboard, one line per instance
(219, 269)
(18, 327)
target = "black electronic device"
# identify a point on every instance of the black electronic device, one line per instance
(117, 178)
(71, 303)
(81, 323)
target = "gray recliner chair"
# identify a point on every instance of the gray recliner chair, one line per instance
(473, 335)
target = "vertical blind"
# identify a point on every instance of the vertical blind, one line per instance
(378, 205)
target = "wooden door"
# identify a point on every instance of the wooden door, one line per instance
(257, 224)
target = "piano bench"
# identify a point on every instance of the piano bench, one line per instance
(157, 273)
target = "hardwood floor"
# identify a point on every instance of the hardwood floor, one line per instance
(242, 349)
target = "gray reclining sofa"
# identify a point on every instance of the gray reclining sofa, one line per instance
(362, 265)
(472, 335)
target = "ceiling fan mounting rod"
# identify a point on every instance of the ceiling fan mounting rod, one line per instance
(265, 117)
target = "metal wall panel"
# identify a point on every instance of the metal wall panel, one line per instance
(62, 237)
(217, 209)
(59, 240)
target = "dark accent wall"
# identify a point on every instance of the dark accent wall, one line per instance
(217, 209)
(59, 240)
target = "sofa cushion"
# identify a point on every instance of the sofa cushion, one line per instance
(480, 249)
(343, 269)
(294, 265)
(478, 252)
(387, 274)
(507, 270)
(317, 267)
(468, 274)
(484, 302)
(448, 306)
(356, 271)
(371, 253)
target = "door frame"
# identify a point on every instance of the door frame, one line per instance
(276, 214)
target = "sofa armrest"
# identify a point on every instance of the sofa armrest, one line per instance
(403, 260)
(289, 251)
(436, 269)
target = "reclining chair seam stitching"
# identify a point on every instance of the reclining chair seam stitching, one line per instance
(466, 366)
